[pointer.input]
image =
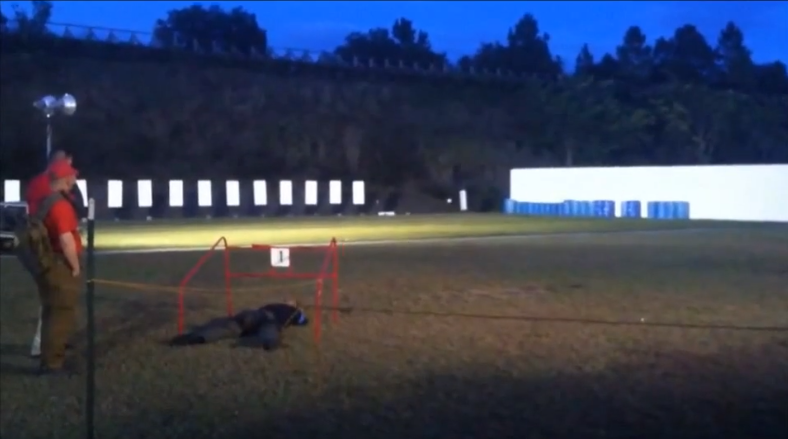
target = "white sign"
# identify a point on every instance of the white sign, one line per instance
(280, 257)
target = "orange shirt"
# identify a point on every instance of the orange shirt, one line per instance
(62, 219)
(37, 189)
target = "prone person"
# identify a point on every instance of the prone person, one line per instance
(265, 324)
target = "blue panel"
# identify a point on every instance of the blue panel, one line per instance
(509, 206)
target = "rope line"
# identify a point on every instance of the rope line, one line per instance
(138, 286)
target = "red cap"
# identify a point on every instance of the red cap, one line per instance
(62, 169)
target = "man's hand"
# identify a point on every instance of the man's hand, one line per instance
(69, 246)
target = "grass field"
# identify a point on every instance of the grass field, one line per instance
(203, 233)
(676, 334)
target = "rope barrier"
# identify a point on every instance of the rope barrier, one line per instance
(139, 286)
(442, 314)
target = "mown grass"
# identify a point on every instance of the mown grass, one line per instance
(675, 334)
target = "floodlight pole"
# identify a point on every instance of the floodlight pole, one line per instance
(50, 106)
(48, 151)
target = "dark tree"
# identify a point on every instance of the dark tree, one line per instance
(584, 63)
(527, 52)
(735, 59)
(772, 78)
(212, 30)
(32, 23)
(634, 56)
(402, 46)
(686, 57)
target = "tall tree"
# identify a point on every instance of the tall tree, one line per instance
(686, 57)
(584, 62)
(401, 46)
(772, 78)
(527, 52)
(634, 56)
(735, 59)
(211, 30)
(35, 21)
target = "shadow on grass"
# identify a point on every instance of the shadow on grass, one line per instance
(131, 317)
(740, 394)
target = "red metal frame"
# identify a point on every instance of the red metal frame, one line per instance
(329, 270)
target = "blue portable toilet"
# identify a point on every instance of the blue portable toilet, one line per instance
(604, 208)
(509, 206)
(519, 207)
(667, 210)
(682, 210)
(586, 209)
(652, 210)
(610, 209)
(596, 207)
(631, 209)
(568, 208)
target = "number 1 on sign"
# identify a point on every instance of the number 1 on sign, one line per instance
(280, 257)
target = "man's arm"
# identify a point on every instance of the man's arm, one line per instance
(66, 224)
(69, 247)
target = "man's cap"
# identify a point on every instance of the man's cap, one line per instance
(61, 169)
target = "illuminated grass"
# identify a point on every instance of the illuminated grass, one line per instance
(203, 233)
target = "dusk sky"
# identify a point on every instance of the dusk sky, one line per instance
(458, 27)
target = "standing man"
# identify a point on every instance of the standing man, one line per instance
(59, 287)
(37, 190)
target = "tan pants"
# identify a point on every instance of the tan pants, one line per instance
(59, 293)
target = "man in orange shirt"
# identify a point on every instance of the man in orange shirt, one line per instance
(37, 190)
(59, 287)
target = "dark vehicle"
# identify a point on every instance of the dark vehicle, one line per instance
(11, 214)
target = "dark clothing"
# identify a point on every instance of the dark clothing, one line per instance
(58, 291)
(265, 323)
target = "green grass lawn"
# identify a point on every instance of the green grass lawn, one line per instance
(675, 334)
(203, 233)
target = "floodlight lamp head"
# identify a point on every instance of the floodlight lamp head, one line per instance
(46, 105)
(67, 104)
(49, 105)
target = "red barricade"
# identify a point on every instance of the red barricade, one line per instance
(329, 271)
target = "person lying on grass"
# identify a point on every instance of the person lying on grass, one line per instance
(265, 324)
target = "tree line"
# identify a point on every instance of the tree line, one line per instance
(677, 99)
